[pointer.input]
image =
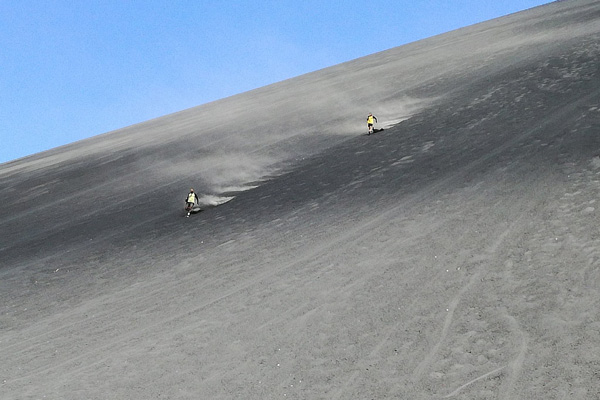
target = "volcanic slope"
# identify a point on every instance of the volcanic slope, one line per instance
(454, 254)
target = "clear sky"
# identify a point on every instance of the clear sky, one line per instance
(75, 69)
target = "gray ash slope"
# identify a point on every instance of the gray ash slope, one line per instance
(454, 254)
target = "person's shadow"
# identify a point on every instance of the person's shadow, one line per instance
(376, 130)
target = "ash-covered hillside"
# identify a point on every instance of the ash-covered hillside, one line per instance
(454, 254)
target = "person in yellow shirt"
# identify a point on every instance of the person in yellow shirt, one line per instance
(370, 122)
(190, 201)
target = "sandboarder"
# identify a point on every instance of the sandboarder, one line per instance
(370, 119)
(190, 201)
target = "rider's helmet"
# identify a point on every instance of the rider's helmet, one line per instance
(191, 190)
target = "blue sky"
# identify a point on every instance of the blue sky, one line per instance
(75, 69)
